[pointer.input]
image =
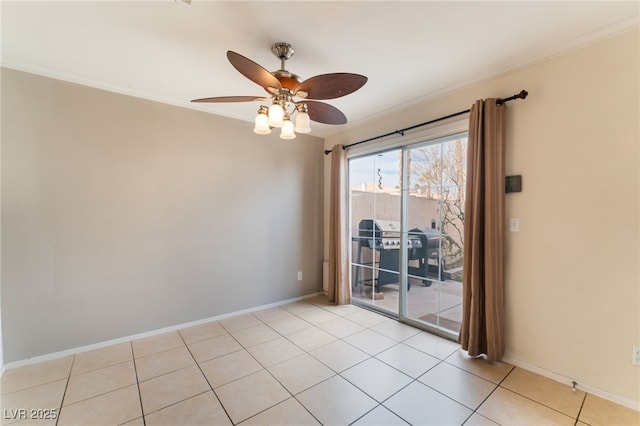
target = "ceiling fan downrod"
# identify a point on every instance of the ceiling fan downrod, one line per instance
(282, 51)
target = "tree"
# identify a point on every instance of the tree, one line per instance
(439, 172)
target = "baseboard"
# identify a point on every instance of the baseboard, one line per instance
(74, 351)
(634, 405)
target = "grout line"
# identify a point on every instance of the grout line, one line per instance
(135, 369)
(64, 394)
(584, 400)
(206, 378)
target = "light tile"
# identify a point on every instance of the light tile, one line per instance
(16, 379)
(300, 373)
(339, 355)
(408, 360)
(214, 347)
(298, 307)
(274, 351)
(370, 341)
(341, 310)
(457, 384)
(319, 300)
(479, 420)
(44, 420)
(229, 367)
(341, 327)
(287, 413)
(286, 326)
(250, 395)
(376, 379)
(548, 392)
(170, 388)
(272, 314)
(41, 397)
(347, 403)
(600, 412)
(493, 371)
(153, 344)
(507, 408)
(200, 410)
(311, 338)
(254, 335)
(135, 422)
(239, 322)
(396, 330)
(433, 345)
(380, 416)
(317, 316)
(160, 363)
(100, 358)
(93, 383)
(202, 332)
(366, 318)
(420, 405)
(101, 410)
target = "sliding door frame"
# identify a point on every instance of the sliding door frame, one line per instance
(402, 143)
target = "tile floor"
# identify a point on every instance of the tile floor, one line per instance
(305, 363)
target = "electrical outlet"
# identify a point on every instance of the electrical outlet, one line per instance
(299, 275)
(636, 355)
(514, 224)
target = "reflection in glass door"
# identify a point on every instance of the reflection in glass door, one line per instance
(407, 212)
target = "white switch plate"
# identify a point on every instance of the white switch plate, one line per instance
(300, 276)
(514, 224)
(636, 355)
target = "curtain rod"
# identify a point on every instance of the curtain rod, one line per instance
(522, 95)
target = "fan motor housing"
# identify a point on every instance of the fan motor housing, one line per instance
(287, 79)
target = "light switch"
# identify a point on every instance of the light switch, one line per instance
(514, 224)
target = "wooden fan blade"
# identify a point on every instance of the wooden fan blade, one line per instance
(331, 86)
(253, 71)
(325, 113)
(230, 99)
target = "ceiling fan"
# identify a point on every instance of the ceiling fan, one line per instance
(289, 94)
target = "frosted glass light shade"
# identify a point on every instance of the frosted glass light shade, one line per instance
(276, 115)
(262, 124)
(287, 129)
(302, 123)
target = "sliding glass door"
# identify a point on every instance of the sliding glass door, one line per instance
(407, 218)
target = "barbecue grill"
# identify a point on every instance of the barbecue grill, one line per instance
(430, 245)
(383, 236)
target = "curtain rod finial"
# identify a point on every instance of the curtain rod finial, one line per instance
(523, 94)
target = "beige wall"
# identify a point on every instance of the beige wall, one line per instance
(122, 216)
(572, 277)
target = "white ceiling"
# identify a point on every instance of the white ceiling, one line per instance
(173, 51)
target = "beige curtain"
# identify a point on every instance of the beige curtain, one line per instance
(339, 291)
(482, 329)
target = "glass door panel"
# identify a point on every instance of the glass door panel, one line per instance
(375, 202)
(434, 191)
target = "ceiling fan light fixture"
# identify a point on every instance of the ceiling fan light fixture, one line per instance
(276, 114)
(302, 119)
(262, 121)
(289, 94)
(287, 128)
